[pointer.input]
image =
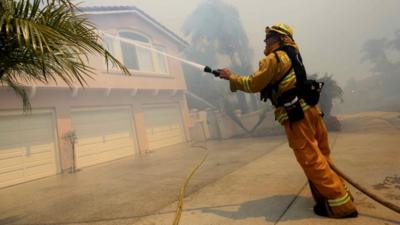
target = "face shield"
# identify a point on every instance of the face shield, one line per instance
(272, 39)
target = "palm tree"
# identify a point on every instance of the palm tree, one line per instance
(46, 40)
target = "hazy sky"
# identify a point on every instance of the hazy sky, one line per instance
(330, 33)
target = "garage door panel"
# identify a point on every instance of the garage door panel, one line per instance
(164, 134)
(82, 141)
(9, 168)
(171, 139)
(42, 148)
(117, 136)
(25, 137)
(96, 129)
(103, 135)
(8, 124)
(164, 126)
(38, 171)
(106, 115)
(43, 158)
(12, 177)
(93, 151)
(160, 144)
(36, 136)
(165, 138)
(38, 168)
(104, 142)
(113, 145)
(7, 139)
(11, 164)
(117, 153)
(88, 138)
(14, 122)
(28, 136)
(88, 132)
(27, 147)
(104, 156)
(8, 152)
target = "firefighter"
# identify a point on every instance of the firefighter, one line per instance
(279, 78)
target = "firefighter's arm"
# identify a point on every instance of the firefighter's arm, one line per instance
(254, 82)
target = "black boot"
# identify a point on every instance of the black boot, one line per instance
(352, 215)
(320, 209)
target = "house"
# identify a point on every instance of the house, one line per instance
(112, 117)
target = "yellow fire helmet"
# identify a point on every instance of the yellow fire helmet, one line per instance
(281, 28)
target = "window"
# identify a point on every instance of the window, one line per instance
(145, 59)
(129, 53)
(162, 60)
(108, 44)
(135, 51)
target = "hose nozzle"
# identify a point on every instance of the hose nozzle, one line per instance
(207, 69)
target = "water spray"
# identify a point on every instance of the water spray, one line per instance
(203, 68)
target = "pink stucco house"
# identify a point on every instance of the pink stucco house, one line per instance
(113, 116)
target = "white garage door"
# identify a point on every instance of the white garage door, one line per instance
(27, 148)
(163, 126)
(103, 135)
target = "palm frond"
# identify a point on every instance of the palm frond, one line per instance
(46, 40)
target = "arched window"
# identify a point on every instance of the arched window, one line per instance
(135, 51)
(134, 56)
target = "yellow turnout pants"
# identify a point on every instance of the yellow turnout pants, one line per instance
(309, 140)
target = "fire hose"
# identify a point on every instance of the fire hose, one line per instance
(365, 191)
(179, 207)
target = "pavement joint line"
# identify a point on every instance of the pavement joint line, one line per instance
(291, 203)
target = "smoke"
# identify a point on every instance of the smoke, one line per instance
(217, 38)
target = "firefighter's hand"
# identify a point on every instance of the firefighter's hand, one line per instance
(225, 73)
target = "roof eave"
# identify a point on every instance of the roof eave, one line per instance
(131, 9)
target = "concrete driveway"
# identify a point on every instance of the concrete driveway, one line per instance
(129, 188)
(244, 181)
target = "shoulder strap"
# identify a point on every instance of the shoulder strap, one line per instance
(277, 57)
(297, 63)
(276, 84)
(267, 91)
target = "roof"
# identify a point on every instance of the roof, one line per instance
(133, 9)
